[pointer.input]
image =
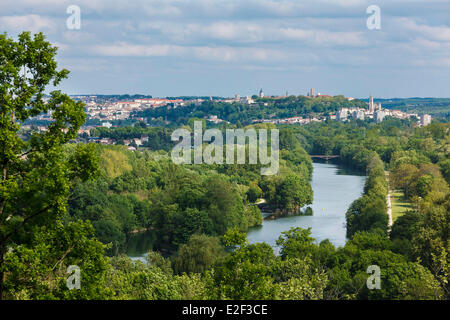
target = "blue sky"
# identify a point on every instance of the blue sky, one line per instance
(224, 47)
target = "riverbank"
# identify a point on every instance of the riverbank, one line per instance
(272, 214)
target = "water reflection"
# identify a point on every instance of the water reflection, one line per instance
(139, 244)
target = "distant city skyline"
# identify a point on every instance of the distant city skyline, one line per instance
(227, 47)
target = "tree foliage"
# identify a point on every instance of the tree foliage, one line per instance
(37, 175)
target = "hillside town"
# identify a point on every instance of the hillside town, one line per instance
(376, 112)
(105, 112)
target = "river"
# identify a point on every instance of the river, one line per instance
(335, 188)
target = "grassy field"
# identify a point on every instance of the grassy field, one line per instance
(399, 204)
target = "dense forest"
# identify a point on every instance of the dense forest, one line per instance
(145, 190)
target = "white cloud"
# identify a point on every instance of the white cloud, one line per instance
(31, 22)
(230, 54)
(436, 33)
(435, 62)
(130, 50)
(246, 35)
(323, 37)
(227, 30)
(226, 54)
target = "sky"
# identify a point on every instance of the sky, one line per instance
(227, 47)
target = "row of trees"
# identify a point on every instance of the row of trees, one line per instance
(418, 160)
(422, 233)
(369, 212)
(416, 180)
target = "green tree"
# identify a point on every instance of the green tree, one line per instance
(297, 280)
(254, 192)
(445, 166)
(245, 274)
(296, 242)
(295, 192)
(37, 270)
(233, 238)
(225, 206)
(37, 176)
(198, 255)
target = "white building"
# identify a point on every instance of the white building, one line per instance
(425, 119)
(358, 114)
(127, 104)
(138, 142)
(248, 100)
(342, 114)
(379, 116)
